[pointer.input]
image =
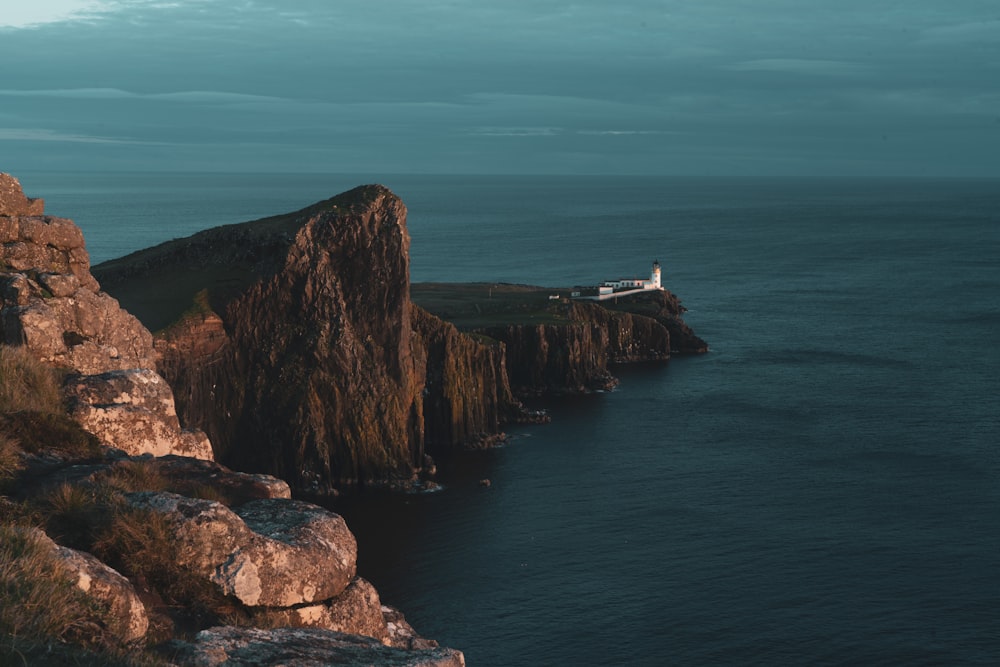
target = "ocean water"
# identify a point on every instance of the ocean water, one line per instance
(822, 488)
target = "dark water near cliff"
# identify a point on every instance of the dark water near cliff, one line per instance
(822, 488)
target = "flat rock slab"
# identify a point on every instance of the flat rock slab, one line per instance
(300, 647)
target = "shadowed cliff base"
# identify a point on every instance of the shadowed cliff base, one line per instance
(292, 341)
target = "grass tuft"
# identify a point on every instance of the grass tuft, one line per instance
(142, 546)
(10, 457)
(26, 383)
(37, 599)
(38, 431)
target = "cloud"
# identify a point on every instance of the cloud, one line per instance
(183, 96)
(34, 134)
(515, 131)
(72, 93)
(619, 133)
(964, 33)
(40, 12)
(798, 66)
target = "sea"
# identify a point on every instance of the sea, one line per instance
(821, 488)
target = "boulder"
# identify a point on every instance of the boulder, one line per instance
(302, 647)
(305, 554)
(269, 553)
(79, 329)
(356, 611)
(133, 410)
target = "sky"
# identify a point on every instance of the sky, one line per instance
(820, 88)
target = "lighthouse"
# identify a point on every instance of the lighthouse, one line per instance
(654, 279)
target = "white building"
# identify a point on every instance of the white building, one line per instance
(654, 282)
(624, 286)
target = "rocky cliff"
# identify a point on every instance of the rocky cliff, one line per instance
(128, 554)
(292, 341)
(51, 305)
(299, 352)
(573, 357)
(554, 344)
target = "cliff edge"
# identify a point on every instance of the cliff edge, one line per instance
(293, 343)
(119, 537)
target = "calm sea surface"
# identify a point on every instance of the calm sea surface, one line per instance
(822, 488)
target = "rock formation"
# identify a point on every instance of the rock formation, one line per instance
(12, 199)
(251, 647)
(272, 562)
(52, 305)
(467, 395)
(300, 353)
(292, 341)
(573, 356)
(286, 567)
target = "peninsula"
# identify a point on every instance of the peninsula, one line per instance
(158, 412)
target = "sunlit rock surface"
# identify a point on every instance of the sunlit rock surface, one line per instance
(53, 306)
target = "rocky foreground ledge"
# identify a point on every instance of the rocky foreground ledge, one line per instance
(120, 538)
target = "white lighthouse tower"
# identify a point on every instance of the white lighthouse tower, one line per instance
(654, 279)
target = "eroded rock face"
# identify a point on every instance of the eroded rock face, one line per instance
(268, 553)
(467, 397)
(13, 201)
(250, 647)
(356, 611)
(51, 304)
(317, 368)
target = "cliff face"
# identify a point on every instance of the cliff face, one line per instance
(574, 357)
(302, 355)
(467, 396)
(308, 371)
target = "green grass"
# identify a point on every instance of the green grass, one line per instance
(474, 305)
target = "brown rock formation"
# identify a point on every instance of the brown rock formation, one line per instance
(357, 610)
(250, 647)
(133, 410)
(51, 304)
(467, 397)
(269, 559)
(293, 343)
(302, 355)
(13, 201)
(665, 308)
(573, 357)
(267, 553)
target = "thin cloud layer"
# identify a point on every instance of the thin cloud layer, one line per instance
(641, 86)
